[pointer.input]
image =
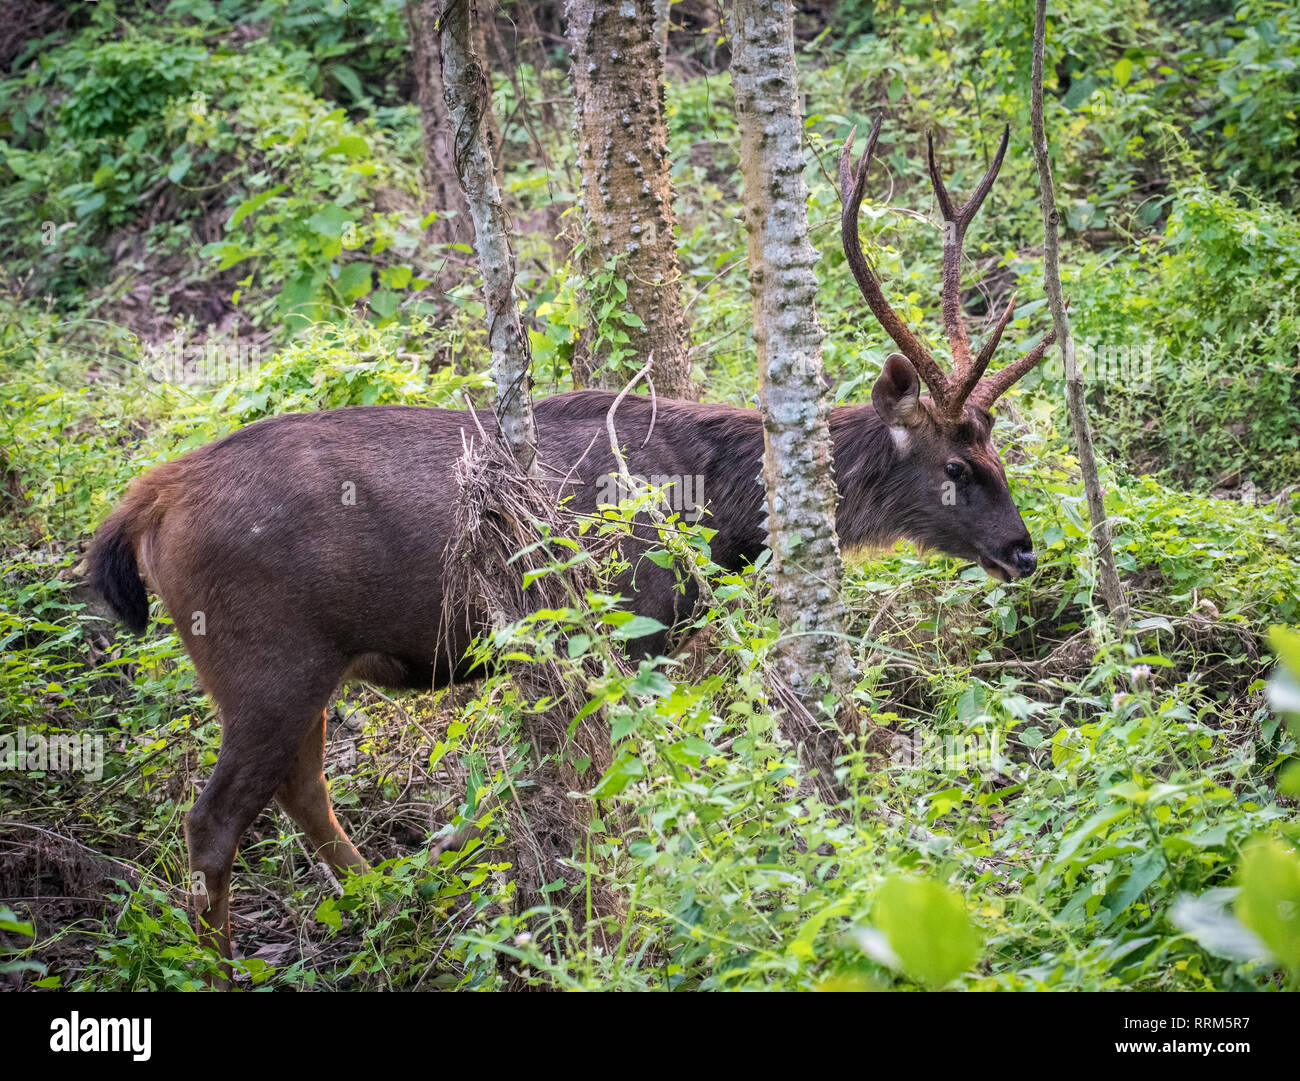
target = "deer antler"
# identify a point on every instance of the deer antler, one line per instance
(967, 382)
(853, 183)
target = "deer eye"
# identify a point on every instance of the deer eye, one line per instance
(955, 470)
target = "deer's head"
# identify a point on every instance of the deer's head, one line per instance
(949, 477)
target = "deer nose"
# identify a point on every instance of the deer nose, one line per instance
(1025, 560)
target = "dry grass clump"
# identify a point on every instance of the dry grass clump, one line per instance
(506, 530)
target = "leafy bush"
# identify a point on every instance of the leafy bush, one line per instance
(1193, 344)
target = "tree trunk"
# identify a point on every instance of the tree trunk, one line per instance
(797, 468)
(1107, 573)
(627, 193)
(497, 513)
(469, 101)
(663, 19)
(445, 195)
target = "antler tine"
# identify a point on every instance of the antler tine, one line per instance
(989, 390)
(853, 182)
(936, 181)
(962, 215)
(992, 388)
(956, 219)
(852, 186)
(971, 376)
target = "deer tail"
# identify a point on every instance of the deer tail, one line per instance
(114, 571)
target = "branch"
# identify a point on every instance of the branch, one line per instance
(1108, 576)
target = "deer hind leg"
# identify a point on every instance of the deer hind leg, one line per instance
(238, 790)
(262, 739)
(304, 798)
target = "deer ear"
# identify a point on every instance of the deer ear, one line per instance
(897, 393)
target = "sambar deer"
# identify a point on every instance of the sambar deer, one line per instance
(306, 549)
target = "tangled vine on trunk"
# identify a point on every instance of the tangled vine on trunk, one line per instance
(501, 515)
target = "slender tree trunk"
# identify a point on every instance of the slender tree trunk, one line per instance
(469, 101)
(663, 19)
(445, 195)
(1111, 590)
(546, 823)
(797, 466)
(627, 193)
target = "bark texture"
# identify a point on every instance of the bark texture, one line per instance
(797, 465)
(1107, 573)
(469, 102)
(445, 195)
(627, 193)
(498, 507)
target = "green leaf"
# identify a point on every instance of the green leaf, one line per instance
(1286, 643)
(350, 146)
(397, 277)
(384, 303)
(21, 966)
(690, 750)
(1288, 780)
(802, 946)
(1207, 920)
(623, 724)
(1145, 871)
(354, 280)
(1080, 91)
(1123, 70)
(347, 78)
(621, 774)
(650, 681)
(299, 299)
(248, 206)
(11, 924)
(90, 204)
(928, 929)
(638, 627)
(180, 167)
(1269, 902)
(1094, 824)
(232, 254)
(329, 220)
(327, 912)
